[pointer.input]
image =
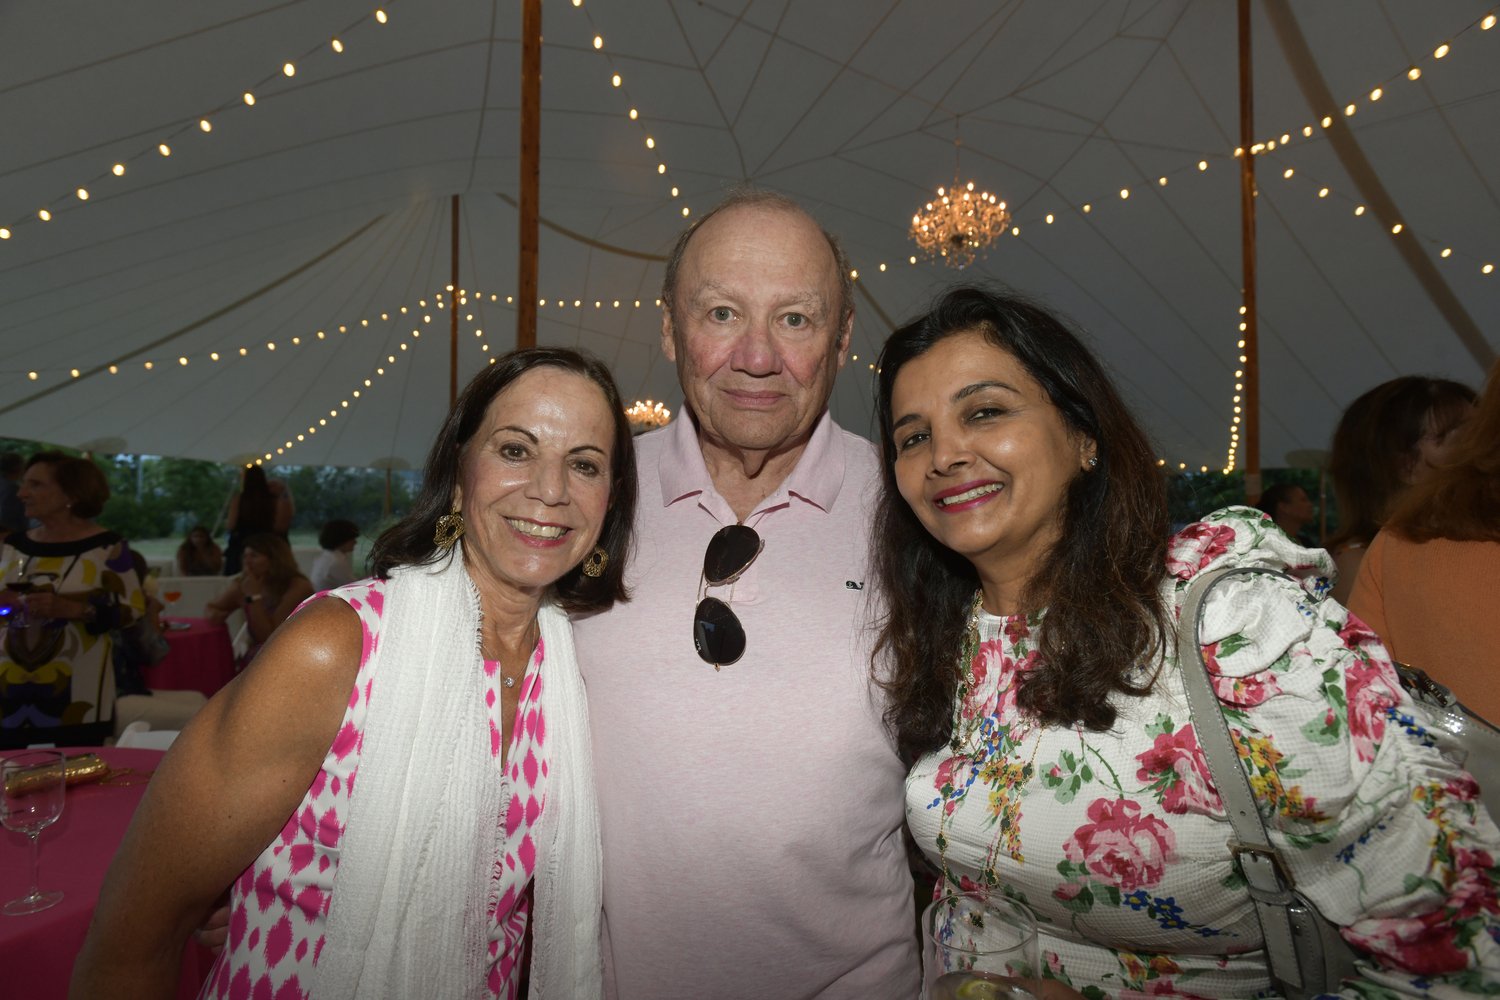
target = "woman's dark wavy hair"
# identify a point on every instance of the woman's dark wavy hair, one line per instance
(1099, 584)
(1376, 444)
(257, 510)
(409, 542)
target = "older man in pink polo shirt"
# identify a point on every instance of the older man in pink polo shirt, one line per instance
(751, 807)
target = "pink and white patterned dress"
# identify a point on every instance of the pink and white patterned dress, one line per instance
(279, 906)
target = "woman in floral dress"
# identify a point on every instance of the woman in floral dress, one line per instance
(401, 783)
(1033, 590)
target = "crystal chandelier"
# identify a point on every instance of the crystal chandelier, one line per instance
(958, 224)
(647, 416)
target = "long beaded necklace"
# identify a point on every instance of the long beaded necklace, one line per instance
(962, 745)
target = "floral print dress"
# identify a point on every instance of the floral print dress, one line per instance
(1117, 840)
(278, 908)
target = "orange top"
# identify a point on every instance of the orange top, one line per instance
(1436, 605)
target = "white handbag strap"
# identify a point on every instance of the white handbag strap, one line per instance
(1269, 881)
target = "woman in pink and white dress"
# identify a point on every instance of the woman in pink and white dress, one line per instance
(447, 686)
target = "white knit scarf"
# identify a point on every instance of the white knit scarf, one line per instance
(409, 915)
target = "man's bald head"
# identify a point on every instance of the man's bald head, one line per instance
(748, 197)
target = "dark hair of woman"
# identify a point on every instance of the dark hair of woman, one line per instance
(257, 503)
(1461, 499)
(1099, 584)
(1376, 445)
(80, 479)
(409, 542)
(284, 568)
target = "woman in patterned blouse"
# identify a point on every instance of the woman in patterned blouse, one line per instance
(1060, 764)
(462, 636)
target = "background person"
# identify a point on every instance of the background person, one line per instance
(199, 554)
(1430, 583)
(139, 645)
(75, 583)
(751, 814)
(269, 589)
(256, 509)
(1291, 508)
(465, 720)
(1388, 439)
(331, 569)
(12, 510)
(1023, 551)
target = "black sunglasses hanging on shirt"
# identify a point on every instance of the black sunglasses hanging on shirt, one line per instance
(717, 633)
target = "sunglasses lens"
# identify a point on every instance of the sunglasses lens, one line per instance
(717, 633)
(732, 549)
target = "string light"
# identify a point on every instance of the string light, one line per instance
(204, 122)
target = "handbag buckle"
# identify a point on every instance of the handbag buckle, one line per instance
(1264, 860)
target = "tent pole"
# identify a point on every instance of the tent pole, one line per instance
(1250, 356)
(531, 145)
(453, 297)
(385, 513)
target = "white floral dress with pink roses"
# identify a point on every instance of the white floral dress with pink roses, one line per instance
(279, 906)
(1117, 840)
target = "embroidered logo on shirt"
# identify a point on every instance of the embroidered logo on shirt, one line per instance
(854, 586)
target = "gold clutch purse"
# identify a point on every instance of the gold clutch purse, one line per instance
(82, 768)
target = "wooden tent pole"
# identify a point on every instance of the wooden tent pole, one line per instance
(531, 147)
(453, 296)
(1250, 355)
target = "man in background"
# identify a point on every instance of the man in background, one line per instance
(331, 569)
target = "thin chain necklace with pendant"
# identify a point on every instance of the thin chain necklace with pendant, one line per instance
(511, 681)
(962, 746)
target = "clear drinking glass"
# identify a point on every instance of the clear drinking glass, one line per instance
(977, 946)
(32, 785)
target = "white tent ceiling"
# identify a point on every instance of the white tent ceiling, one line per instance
(847, 105)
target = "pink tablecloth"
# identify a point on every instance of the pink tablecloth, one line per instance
(201, 660)
(37, 950)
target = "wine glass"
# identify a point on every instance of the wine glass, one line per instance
(977, 946)
(14, 616)
(32, 785)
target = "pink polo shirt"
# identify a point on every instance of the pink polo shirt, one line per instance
(751, 817)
